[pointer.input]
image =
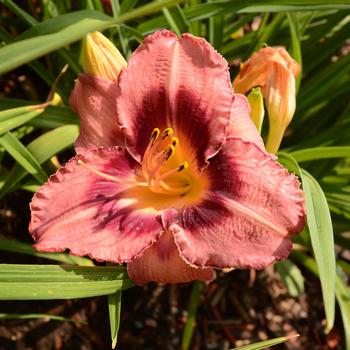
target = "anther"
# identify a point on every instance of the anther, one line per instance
(169, 152)
(167, 132)
(154, 136)
(182, 167)
(174, 141)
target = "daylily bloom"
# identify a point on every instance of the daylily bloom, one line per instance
(274, 70)
(191, 187)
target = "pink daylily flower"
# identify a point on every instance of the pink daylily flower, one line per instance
(172, 176)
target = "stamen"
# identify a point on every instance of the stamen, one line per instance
(175, 189)
(167, 132)
(170, 151)
(180, 168)
(174, 141)
(161, 148)
(154, 136)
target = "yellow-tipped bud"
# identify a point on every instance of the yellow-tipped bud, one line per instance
(101, 58)
(257, 112)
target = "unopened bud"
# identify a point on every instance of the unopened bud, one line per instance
(101, 58)
(257, 112)
(274, 70)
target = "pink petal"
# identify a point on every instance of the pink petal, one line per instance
(181, 83)
(162, 263)
(241, 124)
(251, 210)
(94, 99)
(89, 215)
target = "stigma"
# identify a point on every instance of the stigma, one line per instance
(161, 168)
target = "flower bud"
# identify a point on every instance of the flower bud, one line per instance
(101, 58)
(274, 70)
(257, 111)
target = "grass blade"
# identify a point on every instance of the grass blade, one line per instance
(291, 277)
(342, 292)
(42, 148)
(321, 232)
(15, 117)
(23, 156)
(266, 343)
(11, 245)
(39, 282)
(34, 316)
(114, 307)
(60, 31)
(316, 153)
(196, 292)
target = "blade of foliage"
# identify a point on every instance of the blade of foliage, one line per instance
(266, 343)
(39, 68)
(11, 245)
(196, 292)
(289, 163)
(342, 292)
(23, 156)
(34, 316)
(114, 307)
(39, 282)
(176, 19)
(295, 43)
(60, 31)
(320, 153)
(42, 148)
(15, 117)
(65, 54)
(207, 10)
(321, 232)
(291, 277)
(52, 117)
(269, 31)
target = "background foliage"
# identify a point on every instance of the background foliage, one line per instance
(33, 141)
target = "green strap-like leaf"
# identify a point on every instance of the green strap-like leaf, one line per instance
(38, 282)
(291, 277)
(342, 292)
(42, 148)
(196, 292)
(34, 316)
(60, 31)
(265, 344)
(321, 232)
(114, 307)
(23, 156)
(315, 153)
(11, 245)
(15, 117)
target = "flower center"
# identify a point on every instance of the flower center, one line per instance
(161, 167)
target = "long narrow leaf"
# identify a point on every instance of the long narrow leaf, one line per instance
(315, 153)
(265, 344)
(114, 307)
(321, 232)
(342, 292)
(15, 117)
(11, 245)
(37, 282)
(63, 30)
(23, 156)
(42, 148)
